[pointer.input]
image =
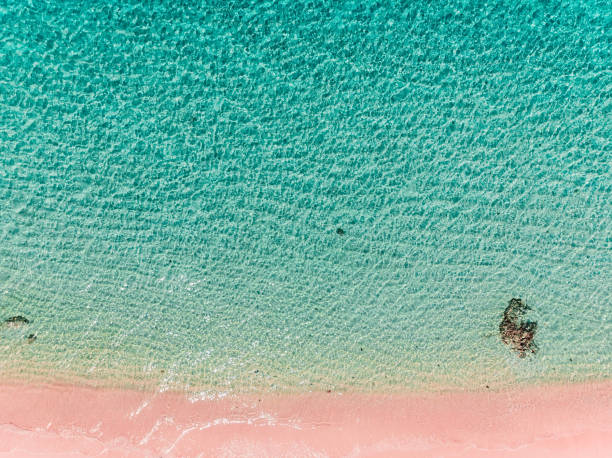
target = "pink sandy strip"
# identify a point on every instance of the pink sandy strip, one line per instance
(546, 421)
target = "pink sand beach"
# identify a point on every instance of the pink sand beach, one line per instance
(61, 421)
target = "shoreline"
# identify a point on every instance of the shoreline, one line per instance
(542, 420)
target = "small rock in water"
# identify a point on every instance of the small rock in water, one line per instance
(515, 332)
(31, 338)
(16, 321)
(340, 231)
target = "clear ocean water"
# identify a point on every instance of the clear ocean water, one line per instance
(173, 176)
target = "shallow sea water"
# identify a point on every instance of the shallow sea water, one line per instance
(172, 179)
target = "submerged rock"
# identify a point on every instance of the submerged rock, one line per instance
(16, 321)
(340, 231)
(515, 332)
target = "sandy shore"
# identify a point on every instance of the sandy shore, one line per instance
(555, 421)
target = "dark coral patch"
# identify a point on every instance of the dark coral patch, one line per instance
(16, 321)
(515, 332)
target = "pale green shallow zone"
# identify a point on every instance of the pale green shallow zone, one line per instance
(172, 178)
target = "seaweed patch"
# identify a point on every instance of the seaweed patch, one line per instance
(515, 332)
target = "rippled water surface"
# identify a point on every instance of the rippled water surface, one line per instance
(173, 178)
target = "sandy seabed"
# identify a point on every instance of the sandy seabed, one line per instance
(60, 421)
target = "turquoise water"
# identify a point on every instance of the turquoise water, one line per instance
(172, 179)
